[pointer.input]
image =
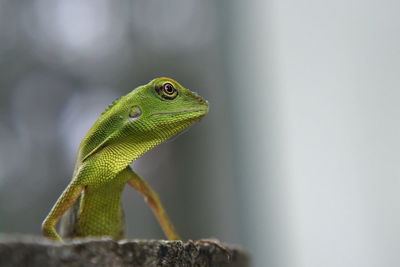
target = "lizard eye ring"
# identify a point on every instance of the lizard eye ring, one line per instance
(167, 91)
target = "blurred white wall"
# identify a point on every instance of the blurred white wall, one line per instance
(321, 132)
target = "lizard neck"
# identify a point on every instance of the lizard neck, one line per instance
(121, 151)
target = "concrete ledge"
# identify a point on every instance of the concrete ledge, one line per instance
(35, 251)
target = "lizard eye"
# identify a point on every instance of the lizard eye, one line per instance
(167, 91)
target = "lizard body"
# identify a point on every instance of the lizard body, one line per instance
(129, 127)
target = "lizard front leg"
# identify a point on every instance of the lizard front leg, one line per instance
(64, 202)
(153, 200)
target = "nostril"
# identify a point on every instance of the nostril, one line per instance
(201, 99)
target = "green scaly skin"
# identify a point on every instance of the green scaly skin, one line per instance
(129, 127)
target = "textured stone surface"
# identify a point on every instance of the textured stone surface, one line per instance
(35, 251)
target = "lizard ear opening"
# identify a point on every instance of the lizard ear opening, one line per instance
(134, 113)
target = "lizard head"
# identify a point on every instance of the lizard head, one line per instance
(164, 106)
(164, 100)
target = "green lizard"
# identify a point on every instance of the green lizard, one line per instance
(129, 127)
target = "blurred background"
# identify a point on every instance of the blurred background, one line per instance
(297, 159)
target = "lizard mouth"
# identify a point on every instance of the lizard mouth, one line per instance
(188, 110)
